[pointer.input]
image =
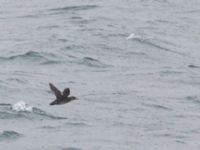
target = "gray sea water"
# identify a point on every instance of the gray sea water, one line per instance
(133, 64)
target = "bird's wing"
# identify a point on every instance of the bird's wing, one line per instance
(56, 91)
(66, 92)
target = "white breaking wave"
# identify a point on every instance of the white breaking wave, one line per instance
(140, 37)
(21, 106)
(133, 36)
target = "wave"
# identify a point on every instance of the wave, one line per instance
(160, 47)
(134, 36)
(9, 135)
(91, 62)
(48, 127)
(193, 99)
(193, 66)
(157, 106)
(30, 113)
(79, 124)
(28, 55)
(171, 135)
(51, 62)
(138, 37)
(22, 106)
(74, 8)
(150, 41)
(43, 114)
(31, 57)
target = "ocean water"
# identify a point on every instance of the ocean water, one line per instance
(133, 64)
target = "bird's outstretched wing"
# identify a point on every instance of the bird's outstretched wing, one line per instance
(56, 91)
(66, 92)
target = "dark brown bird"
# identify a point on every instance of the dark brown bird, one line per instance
(61, 98)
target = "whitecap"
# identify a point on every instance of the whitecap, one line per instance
(21, 106)
(133, 36)
(140, 37)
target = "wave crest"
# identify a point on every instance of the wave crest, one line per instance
(24, 111)
(22, 106)
(74, 8)
(91, 62)
(9, 135)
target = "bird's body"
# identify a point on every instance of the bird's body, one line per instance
(61, 98)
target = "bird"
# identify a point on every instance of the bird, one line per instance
(61, 98)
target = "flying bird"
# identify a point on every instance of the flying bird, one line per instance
(61, 98)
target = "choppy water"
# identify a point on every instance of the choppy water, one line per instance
(133, 64)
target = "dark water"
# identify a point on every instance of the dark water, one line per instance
(133, 64)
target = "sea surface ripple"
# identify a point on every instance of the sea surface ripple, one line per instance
(134, 65)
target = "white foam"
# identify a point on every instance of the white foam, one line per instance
(133, 36)
(21, 106)
(140, 37)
